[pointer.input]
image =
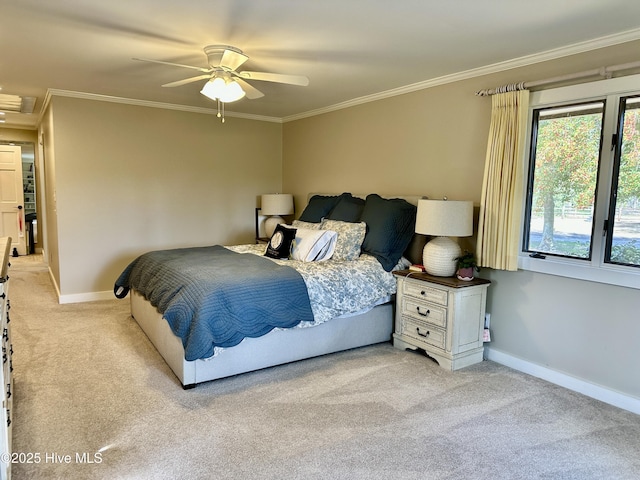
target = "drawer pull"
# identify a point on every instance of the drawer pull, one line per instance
(423, 334)
(423, 314)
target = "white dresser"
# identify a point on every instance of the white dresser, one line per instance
(6, 379)
(443, 316)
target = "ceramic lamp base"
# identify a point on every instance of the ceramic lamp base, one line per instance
(439, 257)
(271, 223)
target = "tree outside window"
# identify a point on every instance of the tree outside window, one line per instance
(563, 177)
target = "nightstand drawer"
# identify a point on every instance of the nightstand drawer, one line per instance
(423, 333)
(418, 289)
(425, 312)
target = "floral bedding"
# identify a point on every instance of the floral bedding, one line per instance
(339, 288)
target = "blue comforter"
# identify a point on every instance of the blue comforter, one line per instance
(213, 297)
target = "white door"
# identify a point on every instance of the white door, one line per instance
(12, 197)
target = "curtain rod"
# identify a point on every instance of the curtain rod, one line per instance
(602, 72)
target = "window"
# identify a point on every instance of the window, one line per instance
(623, 226)
(582, 204)
(565, 150)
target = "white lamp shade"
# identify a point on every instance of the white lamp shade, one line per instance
(445, 218)
(276, 204)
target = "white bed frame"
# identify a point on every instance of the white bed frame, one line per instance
(275, 348)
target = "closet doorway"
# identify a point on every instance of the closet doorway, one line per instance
(28, 225)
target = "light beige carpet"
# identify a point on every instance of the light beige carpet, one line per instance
(88, 384)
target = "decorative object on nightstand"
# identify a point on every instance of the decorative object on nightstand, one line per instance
(443, 219)
(466, 266)
(443, 316)
(274, 205)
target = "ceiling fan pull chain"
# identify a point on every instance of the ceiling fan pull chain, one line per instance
(220, 114)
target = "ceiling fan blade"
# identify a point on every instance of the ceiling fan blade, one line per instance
(251, 92)
(275, 77)
(232, 59)
(187, 80)
(201, 69)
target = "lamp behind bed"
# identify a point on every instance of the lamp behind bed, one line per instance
(274, 205)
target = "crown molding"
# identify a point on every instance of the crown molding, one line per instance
(573, 49)
(52, 92)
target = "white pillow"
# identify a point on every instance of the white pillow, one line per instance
(313, 245)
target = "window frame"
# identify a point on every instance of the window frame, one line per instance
(615, 177)
(595, 269)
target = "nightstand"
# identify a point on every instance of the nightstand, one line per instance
(443, 316)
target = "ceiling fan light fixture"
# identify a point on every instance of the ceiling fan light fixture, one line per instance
(223, 90)
(213, 88)
(232, 93)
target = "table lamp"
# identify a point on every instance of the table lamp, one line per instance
(274, 205)
(443, 219)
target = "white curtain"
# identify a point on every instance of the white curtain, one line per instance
(501, 201)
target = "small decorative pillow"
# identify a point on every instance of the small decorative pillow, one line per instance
(280, 242)
(313, 245)
(350, 238)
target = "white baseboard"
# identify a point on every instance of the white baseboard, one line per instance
(53, 281)
(592, 390)
(85, 297)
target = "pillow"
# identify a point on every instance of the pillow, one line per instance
(350, 237)
(312, 245)
(414, 250)
(390, 228)
(318, 207)
(280, 242)
(307, 225)
(348, 209)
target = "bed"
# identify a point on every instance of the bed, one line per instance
(345, 312)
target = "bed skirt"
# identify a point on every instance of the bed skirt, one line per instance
(275, 348)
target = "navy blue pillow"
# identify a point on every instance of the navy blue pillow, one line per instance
(319, 206)
(390, 227)
(348, 209)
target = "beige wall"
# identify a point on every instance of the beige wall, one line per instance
(18, 135)
(48, 212)
(433, 142)
(128, 179)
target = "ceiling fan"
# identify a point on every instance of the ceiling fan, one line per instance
(224, 61)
